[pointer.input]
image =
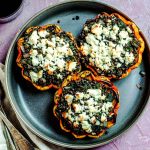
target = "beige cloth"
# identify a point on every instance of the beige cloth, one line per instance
(3, 145)
(41, 144)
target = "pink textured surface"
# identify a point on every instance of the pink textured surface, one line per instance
(138, 137)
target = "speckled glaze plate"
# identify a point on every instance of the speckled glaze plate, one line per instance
(35, 108)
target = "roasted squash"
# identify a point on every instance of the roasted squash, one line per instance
(47, 55)
(86, 105)
(110, 45)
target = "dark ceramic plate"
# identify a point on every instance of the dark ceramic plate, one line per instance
(35, 107)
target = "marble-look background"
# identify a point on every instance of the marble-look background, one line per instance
(138, 137)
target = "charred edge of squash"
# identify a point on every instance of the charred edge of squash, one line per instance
(19, 57)
(88, 75)
(140, 48)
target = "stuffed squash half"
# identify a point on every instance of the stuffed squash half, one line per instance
(111, 46)
(86, 105)
(47, 55)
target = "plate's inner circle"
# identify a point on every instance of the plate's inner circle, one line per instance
(36, 107)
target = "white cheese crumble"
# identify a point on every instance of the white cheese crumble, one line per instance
(129, 57)
(35, 76)
(115, 28)
(94, 92)
(97, 29)
(103, 117)
(33, 39)
(69, 98)
(86, 126)
(72, 66)
(79, 95)
(43, 33)
(123, 34)
(59, 76)
(35, 61)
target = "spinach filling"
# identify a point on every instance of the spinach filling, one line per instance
(82, 86)
(48, 79)
(130, 47)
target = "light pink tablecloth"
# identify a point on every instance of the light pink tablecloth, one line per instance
(138, 137)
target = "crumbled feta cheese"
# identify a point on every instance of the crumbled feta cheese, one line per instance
(85, 28)
(34, 76)
(103, 97)
(85, 125)
(59, 76)
(51, 44)
(108, 105)
(35, 61)
(69, 52)
(92, 109)
(48, 56)
(118, 65)
(43, 33)
(106, 31)
(90, 101)
(97, 29)
(79, 95)
(69, 98)
(129, 29)
(111, 44)
(123, 34)
(115, 28)
(129, 57)
(40, 57)
(97, 123)
(113, 35)
(40, 74)
(33, 53)
(72, 66)
(94, 92)
(77, 108)
(82, 117)
(49, 50)
(103, 117)
(90, 38)
(60, 63)
(93, 119)
(86, 49)
(33, 38)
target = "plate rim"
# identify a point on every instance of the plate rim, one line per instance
(32, 128)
